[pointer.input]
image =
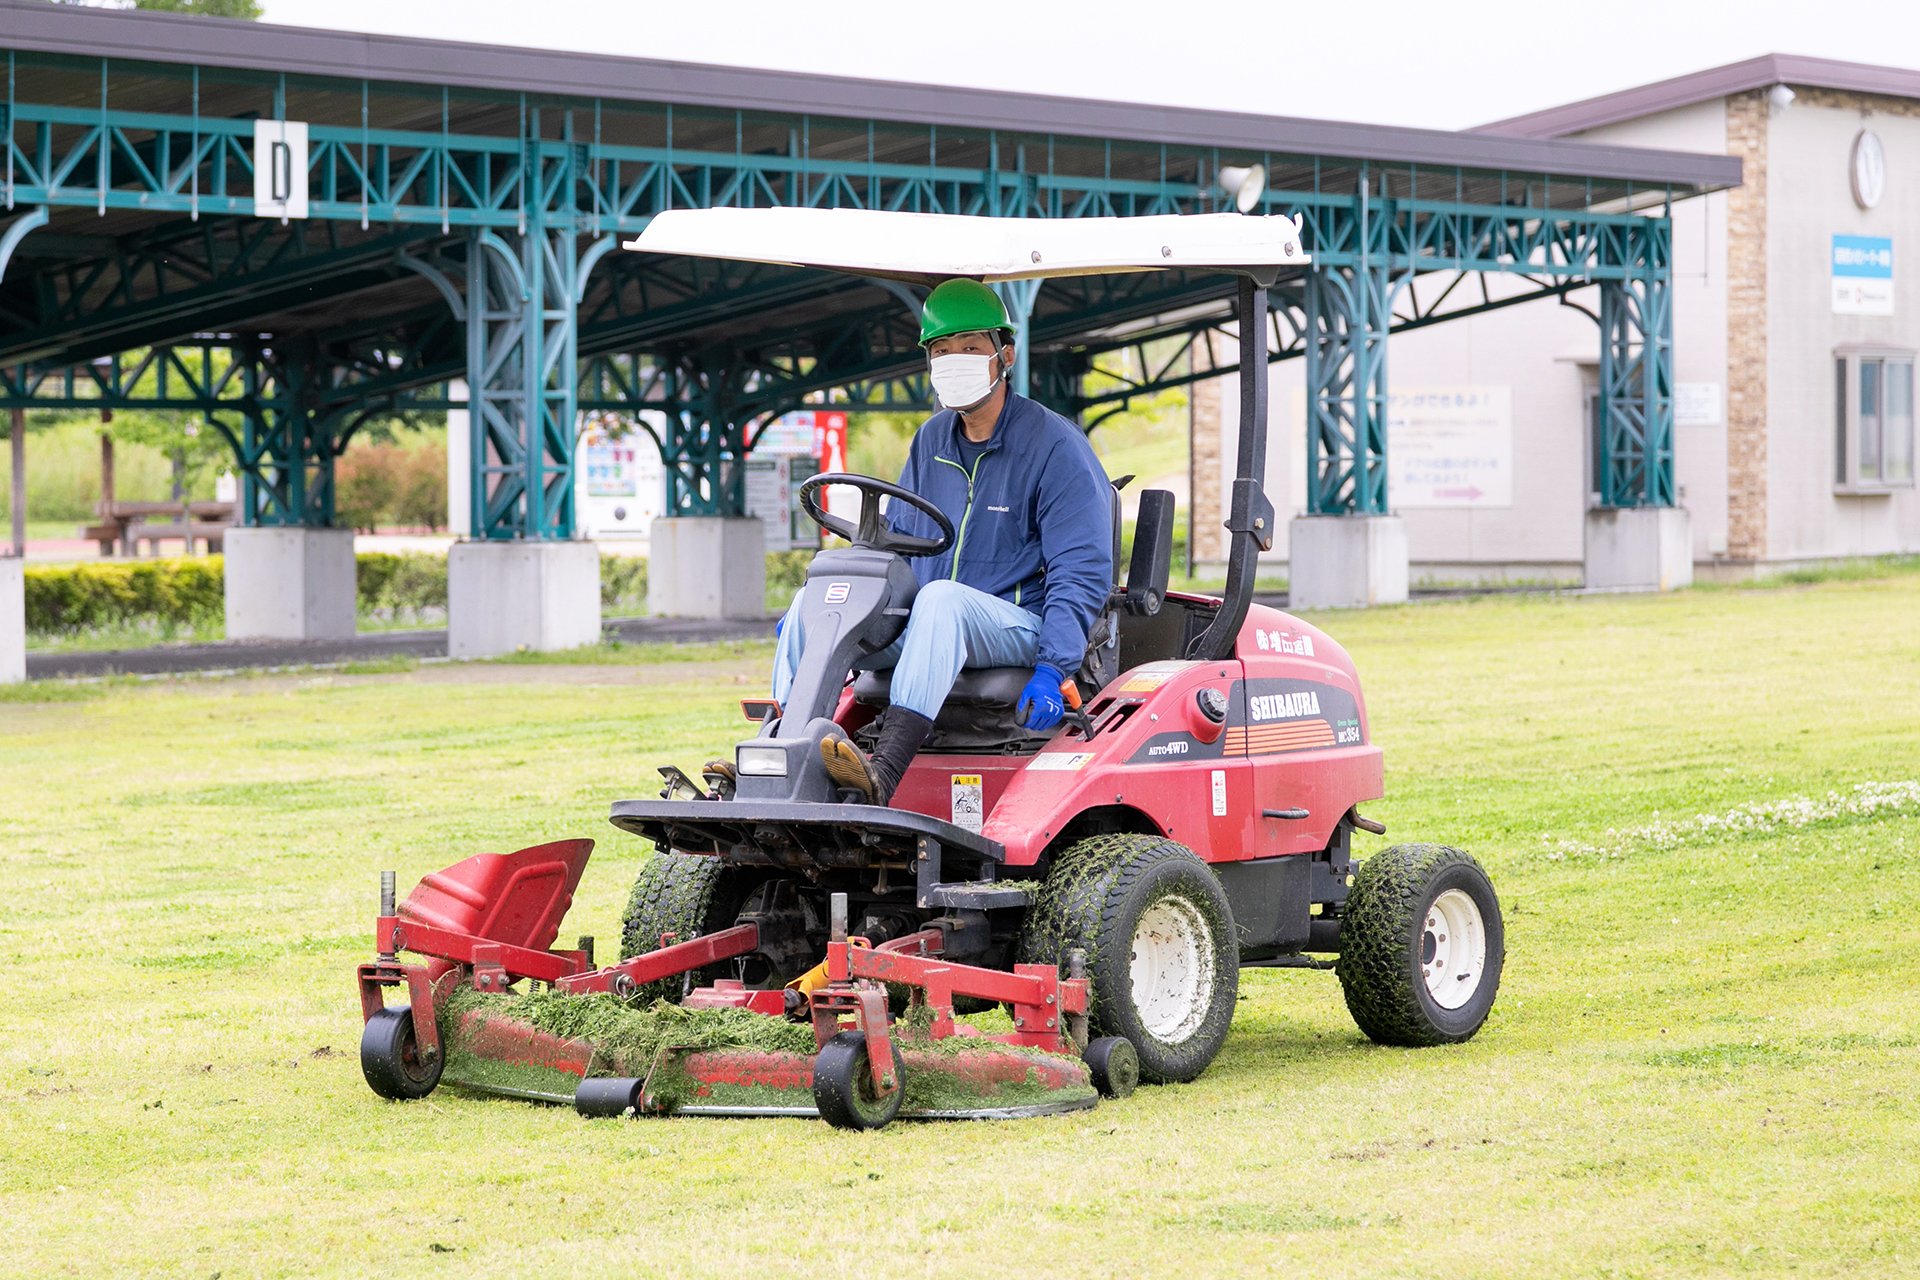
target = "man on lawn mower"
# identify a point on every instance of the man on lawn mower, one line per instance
(1032, 558)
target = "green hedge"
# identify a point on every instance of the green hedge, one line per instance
(88, 597)
(189, 591)
(411, 581)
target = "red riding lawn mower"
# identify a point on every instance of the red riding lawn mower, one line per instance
(787, 952)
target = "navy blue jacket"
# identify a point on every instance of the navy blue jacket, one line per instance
(1033, 524)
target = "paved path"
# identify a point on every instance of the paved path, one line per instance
(242, 655)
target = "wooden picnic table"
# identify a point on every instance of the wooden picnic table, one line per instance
(127, 524)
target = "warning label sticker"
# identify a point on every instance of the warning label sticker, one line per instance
(1057, 760)
(1219, 793)
(1147, 679)
(969, 805)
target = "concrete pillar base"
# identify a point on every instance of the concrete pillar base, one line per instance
(290, 584)
(1639, 548)
(13, 620)
(503, 596)
(707, 567)
(1346, 562)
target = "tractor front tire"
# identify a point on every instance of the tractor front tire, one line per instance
(390, 1057)
(1422, 945)
(843, 1086)
(1158, 936)
(685, 894)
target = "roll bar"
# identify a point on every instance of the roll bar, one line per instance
(1250, 515)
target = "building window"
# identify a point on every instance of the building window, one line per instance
(1873, 420)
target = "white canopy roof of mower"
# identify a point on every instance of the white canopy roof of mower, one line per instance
(927, 247)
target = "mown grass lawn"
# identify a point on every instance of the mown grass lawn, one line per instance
(1704, 1060)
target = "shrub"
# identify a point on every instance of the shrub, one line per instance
(364, 487)
(623, 584)
(190, 591)
(391, 484)
(182, 592)
(421, 502)
(411, 583)
(786, 574)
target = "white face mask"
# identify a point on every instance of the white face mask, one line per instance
(963, 381)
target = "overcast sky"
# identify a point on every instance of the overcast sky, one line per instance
(1439, 65)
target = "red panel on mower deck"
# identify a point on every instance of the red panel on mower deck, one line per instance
(515, 898)
(1295, 737)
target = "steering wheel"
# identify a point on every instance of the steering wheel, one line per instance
(872, 534)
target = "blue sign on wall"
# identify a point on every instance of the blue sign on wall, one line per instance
(1869, 256)
(1862, 276)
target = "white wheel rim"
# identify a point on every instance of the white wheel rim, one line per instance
(1172, 969)
(1453, 949)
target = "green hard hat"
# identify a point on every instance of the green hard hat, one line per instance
(961, 306)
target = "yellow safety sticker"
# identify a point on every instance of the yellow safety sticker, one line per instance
(969, 804)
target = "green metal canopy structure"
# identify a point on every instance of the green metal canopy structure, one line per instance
(292, 231)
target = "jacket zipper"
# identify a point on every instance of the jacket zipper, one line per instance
(960, 539)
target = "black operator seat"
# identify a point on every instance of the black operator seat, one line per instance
(979, 711)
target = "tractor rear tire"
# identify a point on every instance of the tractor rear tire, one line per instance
(390, 1057)
(1422, 945)
(1158, 936)
(688, 895)
(843, 1087)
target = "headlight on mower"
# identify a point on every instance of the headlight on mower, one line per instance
(762, 762)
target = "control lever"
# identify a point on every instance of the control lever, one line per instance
(1070, 695)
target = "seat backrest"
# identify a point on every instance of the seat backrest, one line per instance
(1152, 564)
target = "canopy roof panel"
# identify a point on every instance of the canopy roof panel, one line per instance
(927, 247)
(414, 71)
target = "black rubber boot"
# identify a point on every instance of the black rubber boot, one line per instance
(903, 734)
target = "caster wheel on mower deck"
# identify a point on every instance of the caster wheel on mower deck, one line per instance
(390, 1057)
(843, 1084)
(1114, 1066)
(1158, 934)
(1421, 946)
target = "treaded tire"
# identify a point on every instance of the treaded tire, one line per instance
(686, 894)
(390, 1057)
(1094, 898)
(1113, 1065)
(843, 1084)
(1382, 932)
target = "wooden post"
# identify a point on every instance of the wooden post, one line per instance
(105, 505)
(20, 483)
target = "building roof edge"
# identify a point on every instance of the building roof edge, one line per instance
(1701, 86)
(148, 36)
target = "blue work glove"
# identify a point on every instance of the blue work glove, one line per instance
(1040, 707)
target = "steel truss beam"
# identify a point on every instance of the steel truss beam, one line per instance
(510, 214)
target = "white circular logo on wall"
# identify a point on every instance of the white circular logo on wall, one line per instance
(1868, 169)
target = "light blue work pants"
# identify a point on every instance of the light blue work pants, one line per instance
(952, 626)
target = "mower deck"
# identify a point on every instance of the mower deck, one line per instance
(827, 1047)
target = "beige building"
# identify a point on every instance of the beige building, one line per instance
(1796, 317)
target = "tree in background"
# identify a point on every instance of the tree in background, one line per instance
(206, 8)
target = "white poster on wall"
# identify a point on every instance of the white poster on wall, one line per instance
(1696, 404)
(770, 496)
(1450, 447)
